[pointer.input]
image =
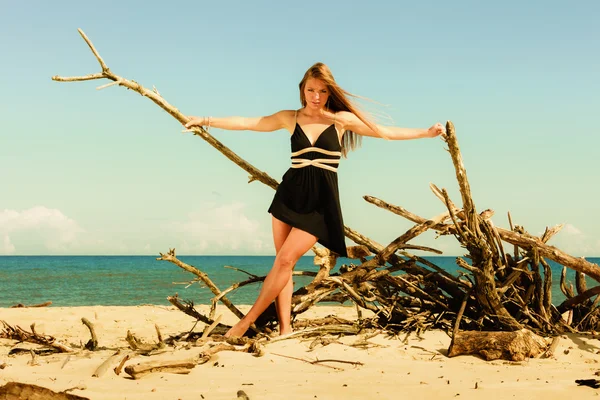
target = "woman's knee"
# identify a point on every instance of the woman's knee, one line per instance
(286, 260)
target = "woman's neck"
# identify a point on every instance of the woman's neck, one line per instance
(315, 113)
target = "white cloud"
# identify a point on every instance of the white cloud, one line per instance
(576, 242)
(36, 230)
(7, 247)
(221, 229)
(571, 230)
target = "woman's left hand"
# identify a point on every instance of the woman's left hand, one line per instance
(436, 130)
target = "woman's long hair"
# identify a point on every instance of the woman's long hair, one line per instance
(338, 101)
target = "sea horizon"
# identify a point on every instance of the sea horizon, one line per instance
(207, 255)
(87, 280)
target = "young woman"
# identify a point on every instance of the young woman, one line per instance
(306, 207)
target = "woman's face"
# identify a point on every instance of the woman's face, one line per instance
(316, 94)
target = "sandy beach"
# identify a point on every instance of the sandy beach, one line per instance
(391, 369)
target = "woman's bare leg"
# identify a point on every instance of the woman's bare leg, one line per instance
(283, 302)
(295, 246)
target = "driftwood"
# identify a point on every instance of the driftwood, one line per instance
(119, 367)
(18, 333)
(92, 344)
(25, 391)
(21, 305)
(105, 366)
(207, 351)
(512, 346)
(174, 367)
(145, 348)
(550, 352)
(495, 291)
(242, 395)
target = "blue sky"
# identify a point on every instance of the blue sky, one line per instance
(107, 172)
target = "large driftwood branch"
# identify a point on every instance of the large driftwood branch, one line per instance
(383, 255)
(527, 241)
(461, 177)
(478, 238)
(188, 308)
(520, 240)
(170, 256)
(444, 282)
(173, 111)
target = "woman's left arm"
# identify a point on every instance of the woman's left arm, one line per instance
(352, 123)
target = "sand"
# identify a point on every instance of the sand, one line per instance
(392, 369)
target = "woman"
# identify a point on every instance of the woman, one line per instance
(306, 207)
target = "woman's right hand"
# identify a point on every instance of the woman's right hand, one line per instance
(196, 121)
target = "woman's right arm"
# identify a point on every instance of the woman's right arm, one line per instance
(270, 123)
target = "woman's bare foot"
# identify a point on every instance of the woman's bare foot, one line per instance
(238, 329)
(285, 331)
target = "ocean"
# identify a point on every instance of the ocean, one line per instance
(136, 280)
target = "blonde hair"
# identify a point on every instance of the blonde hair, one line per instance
(338, 101)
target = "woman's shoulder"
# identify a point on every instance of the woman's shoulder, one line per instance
(344, 117)
(287, 115)
(287, 118)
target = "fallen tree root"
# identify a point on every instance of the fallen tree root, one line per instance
(511, 346)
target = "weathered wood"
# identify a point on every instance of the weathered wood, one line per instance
(580, 283)
(512, 346)
(383, 256)
(515, 238)
(527, 241)
(188, 308)
(442, 280)
(26, 391)
(141, 347)
(18, 333)
(461, 177)
(161, 102)
(119, 367)
(457, 321)
(140, 370)
(102, 368)
(21, 305)
(242, 395)
(326, 260)
(550, 352)
(92, 344)
(576, 300)
(170, 256)
(547, 287)
(566, 287)
(550, 232)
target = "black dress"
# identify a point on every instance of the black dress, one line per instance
(308, 197)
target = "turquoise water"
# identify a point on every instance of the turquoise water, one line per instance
(134, 280)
